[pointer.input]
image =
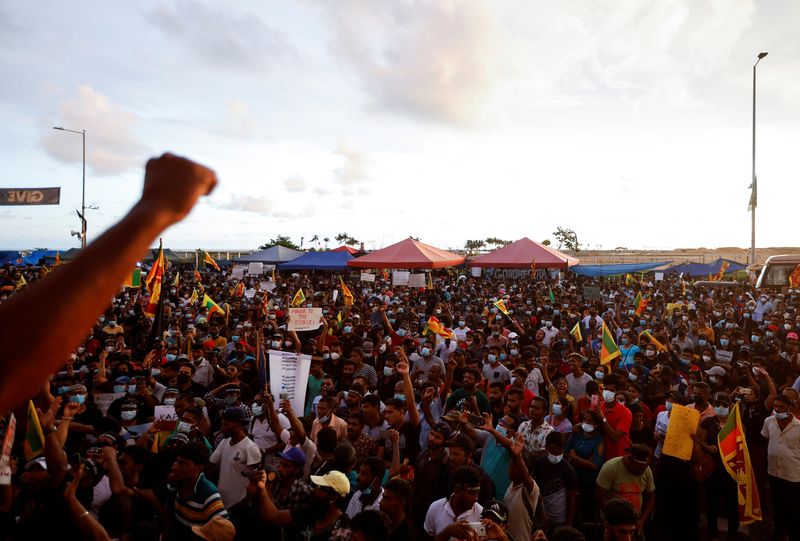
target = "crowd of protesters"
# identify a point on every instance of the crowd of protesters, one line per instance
(508, 428)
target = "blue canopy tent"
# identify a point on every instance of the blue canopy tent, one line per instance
(323, 261)
(9, 256)
(35, 257)
(704, 269)
(613, 270)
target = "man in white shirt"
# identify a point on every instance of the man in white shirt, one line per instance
(447, 517)
(782, 430)
(577, 379)
(550, 332)
(461, 331)
(262, 432)
(204, 372)
(233, 455)
(369, 493)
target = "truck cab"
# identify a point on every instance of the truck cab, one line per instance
(775, 272)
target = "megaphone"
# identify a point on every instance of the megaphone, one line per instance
(75, 234)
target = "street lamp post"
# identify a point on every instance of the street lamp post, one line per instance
(83, 184)
(754, 185)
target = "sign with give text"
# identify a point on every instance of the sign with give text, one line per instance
(289, 377)
(400, 278)
(416, 280)
(304, 319)
(367, 277)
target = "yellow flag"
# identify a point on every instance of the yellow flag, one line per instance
(576, 332)
(501, 305)
(299, 298)
(194, 297)
(21, 282)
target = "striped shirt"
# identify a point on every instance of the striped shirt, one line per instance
(201, 506)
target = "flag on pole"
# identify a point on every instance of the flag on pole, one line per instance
(435, 326)
(134, 279)
(576, 332)
(794, 277)
(533, 268)
(21, 282)
(732, 447)
(211, 306)
(197, 277)
(238, 291)
(550, 294)
(639, 304)
(501, 305)
(193, 299)
(629, 281)
(339, 319)
(659, 346)
(58, 259)
(177, 281)
(430, 281)
(299, 298)
(265, 304)
(208, 260)
(34, 438)
(346, 293)
(153, 283)
(608, 347)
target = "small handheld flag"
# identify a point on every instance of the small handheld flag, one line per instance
(346, 293)
(208, 260)
(299, 298)
(501, 305)
(211, 306)
(608, 347)
(34, 438)
(576, 332)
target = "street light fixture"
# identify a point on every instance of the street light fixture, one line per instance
(82, 214)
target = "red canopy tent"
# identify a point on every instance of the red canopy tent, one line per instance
(520, 255)
(349, 250)
(407, 254)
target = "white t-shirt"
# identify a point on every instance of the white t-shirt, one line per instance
(520, 515)
(576, 387)
(263, 435)
(662, 422)
(533, 381)
(440, 515)
(356, 505)
(232, 459)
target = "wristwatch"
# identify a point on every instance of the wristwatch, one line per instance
(605, 420)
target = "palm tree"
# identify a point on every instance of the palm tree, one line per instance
(315, 240)
(326, 240)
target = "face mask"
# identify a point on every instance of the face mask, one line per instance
(740, 342)
(231, 400)
(109, 348)
(548, 324)
(462, 324)
(599, 375)
(554, 459)
(669, 406)
(746, 315)
(769, 334)
(785, 326)
(625, 341)
(649, 354)
(642, 322)
(82, 349)
(608, 396)
(425, 352)
(701, 342)
(119, 388)
(557, 409)
(257, 410)
(501, 430)
(632, 376)
(400, 396)
(503, 356)
(783, 415)
(64, 389)
(401, 332)
(587, 427)
(514, 352)
(335, 356)
(170, 401)
(387, 371)
(184, 427)
(288, 343)
(755, 338)
(77, 399)
(128, 415)
(325, 420)
(275, 344)
(713, 379)
(729, 325)
(347, 329)
(722, 411)
(685, 362)
(112, 323)
(101, 319)
(382, 349)
(724, 342)
(492, 358)
(131, 389)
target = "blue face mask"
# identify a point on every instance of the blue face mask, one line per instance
(702, 342)
(492, 358)
(400, 396)
(425, 352)
(387, 371)
(557, 409)
(119, 388)
(347, 329)
(625, 341)
(755, 339)
(722, 411)
(502, 356)
(64, 389)
(724, 342)
(501, 430)
(325, 419)
(669, 406)
(131, 389)
(401, 332)
(234, 338)
(77, 399)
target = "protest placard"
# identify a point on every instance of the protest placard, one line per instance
(683, 423)
(416, 280)
(659, 276)
(5, 456)
(289, 377)
(591, 293)
(400, 278)
(165, 413)
(255, 268)
(304, 319)
(238, 272)
(249, 293)
(104, 400)
(367, 277)
(476, 272)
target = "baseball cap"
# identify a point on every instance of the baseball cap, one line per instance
(496, 511)
(295, 455)
(716, 371)
(335, 480)
(216, 529)
(40, 462)
(512, 335)
(443, 429)
(791, 336)
(122, 379)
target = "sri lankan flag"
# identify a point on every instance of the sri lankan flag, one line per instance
(639, 304)
(134, 279)
(346, 293)
(22, 282)
(193, 299)
(265, 304)
(208, 260)
(154, 282)
(794, 277)
(501, 305)
(629, 281)
(211, 306)
(576, 332)
(608, 347)
(34, 438)
(299, 298)
(659, 346)
(238, 291)
(177, 281)
(435, 326)
(736, 459)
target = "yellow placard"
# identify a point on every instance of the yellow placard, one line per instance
(683, 423)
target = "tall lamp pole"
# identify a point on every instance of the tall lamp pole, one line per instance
(83, 185)
(754, 185)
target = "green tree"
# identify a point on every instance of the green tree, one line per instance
(346, 239)
(280, 240)
(546, 242)
(497, 242)
(567, 238)
(474, 245)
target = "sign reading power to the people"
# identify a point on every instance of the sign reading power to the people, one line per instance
(30, 196)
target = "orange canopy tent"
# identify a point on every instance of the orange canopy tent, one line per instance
(521, 254)
(407, 254)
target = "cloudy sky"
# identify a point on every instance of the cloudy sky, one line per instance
(448, 120)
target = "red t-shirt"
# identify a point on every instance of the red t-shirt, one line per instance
(619, 418)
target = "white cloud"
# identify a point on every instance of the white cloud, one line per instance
(295, 184)
(219, 35)
(431, 58)
(248, 203)
(355, 167)
(239, 122)
(112, 146)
